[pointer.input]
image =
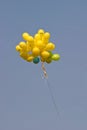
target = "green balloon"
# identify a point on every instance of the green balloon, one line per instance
(55, 57)
(36, 60)
(50, 53)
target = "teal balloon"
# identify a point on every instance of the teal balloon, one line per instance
(36, 60)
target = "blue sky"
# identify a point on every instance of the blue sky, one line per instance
(25, 102)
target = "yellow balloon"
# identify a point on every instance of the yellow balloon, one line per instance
(30, 39)
(36, 51)
(40, 44)
(49, 60)
(55, 57)
(28, 44)
(30, 58)
(42, 59)
(50, 46)
(41, 32)
(24, 55)
(22, 44)
(45, 54)
(18, 48)
(28, 49)
(47, 35)
(25, 36)
(37, 36)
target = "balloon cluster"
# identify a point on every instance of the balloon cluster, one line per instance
(37, 48)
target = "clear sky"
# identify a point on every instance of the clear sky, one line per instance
(25, 103)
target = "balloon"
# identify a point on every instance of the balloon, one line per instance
(37, 48)
(42, 59)
(25, 36)
(55, 57)
(41, 31)
(30, 58)
(50, 46)
(47, 35)
(49, 60)
(36, 60)
(24, 55)
(45, 54)
(40, 44)
(36, 51)
(30, 39)
(18, 48)
(22, 45)
(46, 38)
(37, 37)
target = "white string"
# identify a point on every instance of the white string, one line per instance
(52, 97)
(45, 77)
(44, 70)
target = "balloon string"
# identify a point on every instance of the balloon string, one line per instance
(49, 87)
(44, 70)
(52, 97)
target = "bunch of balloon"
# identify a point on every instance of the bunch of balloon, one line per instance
(37, 48)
